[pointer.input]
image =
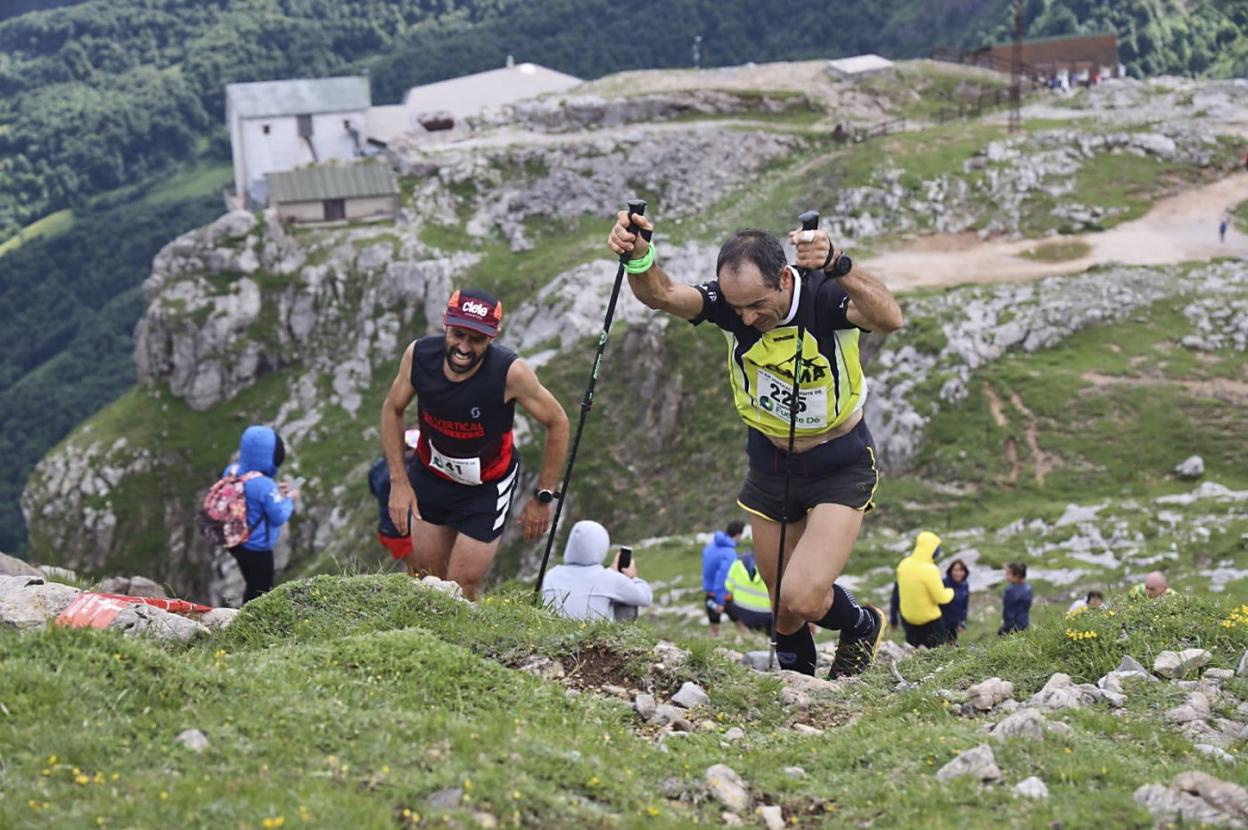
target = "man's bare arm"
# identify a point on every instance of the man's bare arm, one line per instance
(402, 499)
(524, 387)
(871, 305)
(654, 288)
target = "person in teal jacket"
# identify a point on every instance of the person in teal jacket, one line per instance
(269, 505)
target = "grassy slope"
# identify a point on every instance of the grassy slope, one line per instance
(347, 702)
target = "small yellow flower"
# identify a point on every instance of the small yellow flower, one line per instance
(468, 784)
(594, 782)
(164, 795)
(81, 779)
(515, 795)
(652, 810)
(51, 760)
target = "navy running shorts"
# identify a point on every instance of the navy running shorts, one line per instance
(841, 471)
(475, 510)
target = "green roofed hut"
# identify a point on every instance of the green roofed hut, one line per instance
(334, 193)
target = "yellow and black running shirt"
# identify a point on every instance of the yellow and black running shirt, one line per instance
(760, 364)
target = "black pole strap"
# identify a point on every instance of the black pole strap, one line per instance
(635, 208)
(810, 222)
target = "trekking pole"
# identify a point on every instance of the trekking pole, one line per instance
(810, 222)
(634, 208)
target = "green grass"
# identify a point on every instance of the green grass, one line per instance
(1057, 251)
(204, 179)
(50, 226)
(348, 702)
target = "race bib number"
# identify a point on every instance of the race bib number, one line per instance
(462, 470)
(775, 397)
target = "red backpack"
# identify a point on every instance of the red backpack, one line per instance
(222, 518)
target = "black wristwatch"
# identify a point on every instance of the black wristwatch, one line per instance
(545, 496)
(838, 267)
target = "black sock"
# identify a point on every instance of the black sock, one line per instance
(845, 614)
(796, 651)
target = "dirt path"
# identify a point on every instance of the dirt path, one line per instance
(1180, 228)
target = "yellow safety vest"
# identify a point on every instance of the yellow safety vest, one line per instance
(747, 593)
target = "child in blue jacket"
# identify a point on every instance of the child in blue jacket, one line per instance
(269, 505)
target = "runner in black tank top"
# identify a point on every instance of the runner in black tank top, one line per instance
(462, 489)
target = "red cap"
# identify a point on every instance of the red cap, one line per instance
(472, 308)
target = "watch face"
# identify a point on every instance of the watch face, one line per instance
(545, 496)
(842, 265)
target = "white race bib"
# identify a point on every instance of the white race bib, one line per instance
(775, 394)
(462, 470)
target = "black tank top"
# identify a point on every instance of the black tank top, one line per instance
(465, 427)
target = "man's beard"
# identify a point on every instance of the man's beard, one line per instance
(457, 368)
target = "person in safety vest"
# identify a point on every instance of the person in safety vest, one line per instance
(758, 300)
(750, 601)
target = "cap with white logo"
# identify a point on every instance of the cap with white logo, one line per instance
(472, 308)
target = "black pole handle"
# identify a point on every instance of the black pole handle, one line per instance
(636, 207)
(810, 220)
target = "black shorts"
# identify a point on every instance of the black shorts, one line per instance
(753, 620)
(475, 510)
(841, 471)
(930, 634)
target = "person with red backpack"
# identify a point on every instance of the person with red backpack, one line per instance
(268, 507)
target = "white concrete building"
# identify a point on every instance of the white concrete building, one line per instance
(281, 125)
(459, 98)
(860, 66)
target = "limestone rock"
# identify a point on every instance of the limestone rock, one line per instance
(670, 655)
(728, 788)
(644, 703)
(193, 739)
(757, 660)
(1218, 675)
(773, 817)
(445, 586)
(690, 696)
(12, 566)
(807, 729)
(132, 586)
(978, 763)
(1195, 707)
(1215, 752)
(155, 622)
(792, 697)
(731, 819)
(542, 666)
(1058, 693)
(219, 619)
(29, 602)
(1025, 723)
(891, 652)
(1241, 670)
(795, 772)
(1190, 468)
(983, 696)
(806, 683)
(1032, 788)
(1129, 665)
(1229, 799)
(735, 733)
(1178, 665)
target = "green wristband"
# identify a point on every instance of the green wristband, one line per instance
(641, 266)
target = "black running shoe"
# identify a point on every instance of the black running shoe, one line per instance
(854, 654)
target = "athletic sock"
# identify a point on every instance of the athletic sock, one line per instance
(846, 614)
(796, 651)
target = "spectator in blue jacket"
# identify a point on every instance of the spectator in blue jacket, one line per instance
(1016, 603)
(717, 559)
(269, 505)
(957, 577)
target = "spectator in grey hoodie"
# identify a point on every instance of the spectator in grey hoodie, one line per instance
(582, 589)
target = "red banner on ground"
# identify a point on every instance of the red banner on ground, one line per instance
(92, 610)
